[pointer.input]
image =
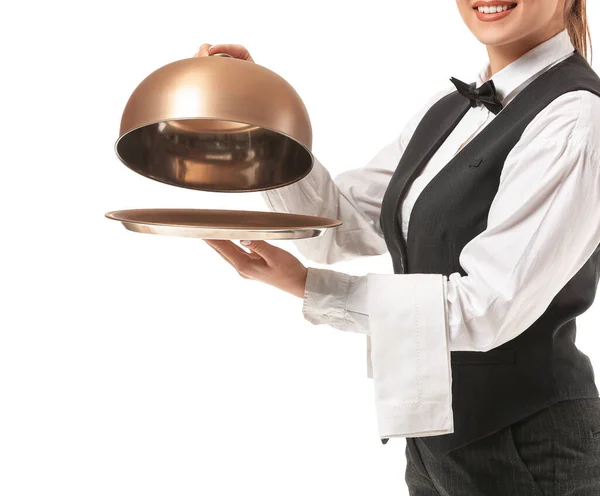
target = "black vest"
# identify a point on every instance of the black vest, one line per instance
(493, 389)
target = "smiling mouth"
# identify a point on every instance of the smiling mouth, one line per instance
(497, 8)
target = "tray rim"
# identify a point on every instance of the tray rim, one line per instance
(328, 222)
(230, 234)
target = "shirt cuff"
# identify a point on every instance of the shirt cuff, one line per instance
(325, 299)
(410, 358)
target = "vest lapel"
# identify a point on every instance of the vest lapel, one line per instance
(429, 135)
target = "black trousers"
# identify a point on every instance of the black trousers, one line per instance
(553, 452)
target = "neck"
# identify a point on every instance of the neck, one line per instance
(502, 55)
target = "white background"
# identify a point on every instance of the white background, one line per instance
(133, 364)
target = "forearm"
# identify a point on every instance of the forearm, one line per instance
(344, 199)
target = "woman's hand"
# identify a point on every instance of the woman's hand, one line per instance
(266, 263)
(237, 51)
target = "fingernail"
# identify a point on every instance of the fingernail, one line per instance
(246, 242)
(211, 47)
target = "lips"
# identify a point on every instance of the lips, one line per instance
(489, 3)
(493, 16)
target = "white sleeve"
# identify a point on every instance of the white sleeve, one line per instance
(354, 197)
(543, 225)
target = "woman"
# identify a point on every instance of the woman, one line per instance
(489, 205)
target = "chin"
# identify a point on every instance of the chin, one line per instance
(495, 37)
(525, 18)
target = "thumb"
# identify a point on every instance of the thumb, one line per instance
(262, 248)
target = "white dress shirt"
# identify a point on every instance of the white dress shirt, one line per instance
(543, 225)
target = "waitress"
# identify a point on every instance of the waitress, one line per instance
(489, 205)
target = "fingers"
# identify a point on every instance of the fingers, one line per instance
(217, 248)
(228, 249)
(203, 50)
(221, 255)
(262, 248)
(235, 255)
(237, 51)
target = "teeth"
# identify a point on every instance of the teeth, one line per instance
(492, 9)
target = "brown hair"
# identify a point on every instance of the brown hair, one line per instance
(577, 25)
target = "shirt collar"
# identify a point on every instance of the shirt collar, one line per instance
(515, 76)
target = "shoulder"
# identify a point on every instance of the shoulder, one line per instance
(573, 117)
(587, 127)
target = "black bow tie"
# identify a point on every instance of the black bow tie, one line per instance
(486, 94)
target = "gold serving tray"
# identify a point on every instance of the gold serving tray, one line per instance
(223, 224)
